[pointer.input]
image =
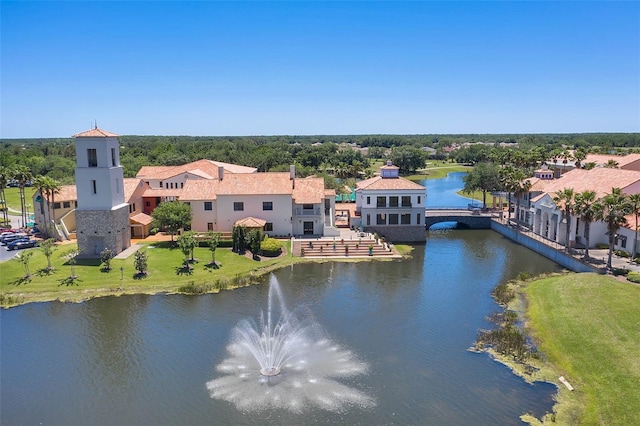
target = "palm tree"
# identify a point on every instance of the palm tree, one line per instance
(22, 175)
(564, 200)
(5, 175)
(611, 164)
(48, 188)
(613, 209)
(522, 187)
(585, 206)
(634, 202)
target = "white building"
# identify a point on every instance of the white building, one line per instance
(391, 206)
(287, 205)
(102, 215)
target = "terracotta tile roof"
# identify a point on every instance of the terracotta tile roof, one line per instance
(251, 222)
(378, 183)
(195, 190)
(600, 180)
(149, 192)
(141, 218)
(95, 133)
(208, 169)
(602, 159)
(329, 192)
(274, 183)
(67, 193)
(307, 190)
(130, 186)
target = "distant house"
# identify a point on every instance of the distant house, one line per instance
(392, 206)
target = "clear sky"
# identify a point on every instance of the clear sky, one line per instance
(299, 68)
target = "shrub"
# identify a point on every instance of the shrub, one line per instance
(620, 271)
(153, 231)
(270, 247)
(622, 253)
(634, 277)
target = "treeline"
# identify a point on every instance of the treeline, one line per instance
(55, 157)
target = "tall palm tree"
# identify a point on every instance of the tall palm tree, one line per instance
(48, 188)
(614, 207)
(634, 202)
(22, 174)
(5, 175)
(564, 200)
(586, 207)
(522, 186)
(39, 183)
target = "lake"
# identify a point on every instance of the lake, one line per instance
(135, 360)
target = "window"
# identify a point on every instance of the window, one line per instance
(419, 200)
(148, 203)
(66, 204)
(56, 206)
(406, 201)
(209, 226)
(238, 206)
(181, 185)
(94, 186)
(381, 219)
(267, 205)
(368, 219)
(92, 157)
(113, 157)
(381, 201)
(393, 201)
(393, 219)
(405, 219)
(268, 227)
(76, 204)
(417, 218)
(208, 205)
(368, 200)
(307, 206)
(161, 183)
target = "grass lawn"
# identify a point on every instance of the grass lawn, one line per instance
(588, 327)
(165, 274)
(13, 197)
(438, 169)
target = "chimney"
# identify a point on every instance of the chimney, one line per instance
(220, 172)
(292, 175)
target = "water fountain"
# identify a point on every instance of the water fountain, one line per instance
(284, 362)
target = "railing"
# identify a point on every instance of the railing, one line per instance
(307, 212)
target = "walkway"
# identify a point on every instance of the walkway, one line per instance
(349, 245)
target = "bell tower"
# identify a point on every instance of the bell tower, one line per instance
(102, 215)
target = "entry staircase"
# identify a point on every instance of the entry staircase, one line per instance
(341, 248)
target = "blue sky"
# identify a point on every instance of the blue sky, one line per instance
(271, 68)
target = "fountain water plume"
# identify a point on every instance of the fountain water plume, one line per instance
(282, 362)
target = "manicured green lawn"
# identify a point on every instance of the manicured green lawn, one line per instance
(13, 197)
(165, 274)
(438, 169)
(588, 327)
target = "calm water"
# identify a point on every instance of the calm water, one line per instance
(441, 193)
(146, 359)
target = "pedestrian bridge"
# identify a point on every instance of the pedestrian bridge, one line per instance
(469, 219)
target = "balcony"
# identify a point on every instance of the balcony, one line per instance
(308, 212)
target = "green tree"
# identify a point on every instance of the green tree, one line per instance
(5, 175)
(172, 216)
(484, 177)
(72, 260)
(612, 210)
(585, 206)
(23, 176)
(24, 258)
(48, 188)
(140, 262)
(187, 244)
(213, 238)
(105, 257)
(47, 247)
(564, 200)
(239, 235)
(255, 238)
(634, 206)
(407, 158)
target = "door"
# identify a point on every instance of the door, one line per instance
(307, 228)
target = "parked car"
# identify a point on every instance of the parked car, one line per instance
(8, 238)
(21, 244)
(7, 230)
